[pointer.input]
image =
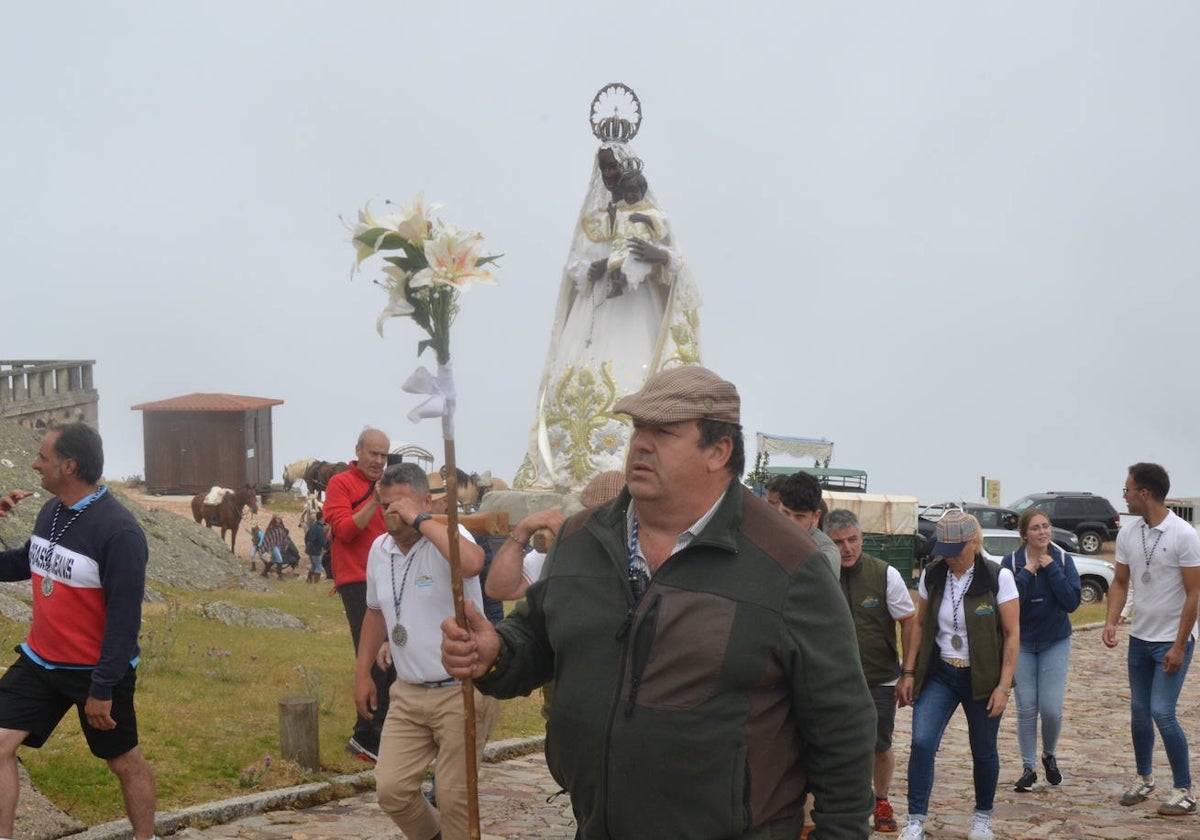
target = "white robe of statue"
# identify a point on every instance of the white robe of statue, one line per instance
(603, 348)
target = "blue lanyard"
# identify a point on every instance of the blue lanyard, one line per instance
(639, 574)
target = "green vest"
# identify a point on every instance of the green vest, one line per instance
(984, 635)
(865, 586)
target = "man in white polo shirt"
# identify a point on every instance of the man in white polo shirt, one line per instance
(1162, 553)
(408, 596)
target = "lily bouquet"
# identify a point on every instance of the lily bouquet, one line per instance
(436, 262)
(430, 263)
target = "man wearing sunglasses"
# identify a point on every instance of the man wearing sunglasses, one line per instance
(1161, 553)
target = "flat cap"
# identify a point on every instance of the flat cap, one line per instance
(954, 530)
(683, 393)
(603, 488)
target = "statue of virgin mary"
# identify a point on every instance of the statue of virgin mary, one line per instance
(605, 341)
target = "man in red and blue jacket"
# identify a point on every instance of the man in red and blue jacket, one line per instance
(87, 561)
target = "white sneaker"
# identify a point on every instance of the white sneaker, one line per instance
(915, 830)
(981, 828)
(1180, 803)
(1137, 791)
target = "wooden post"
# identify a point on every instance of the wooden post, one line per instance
(298, 733)
(460, 614)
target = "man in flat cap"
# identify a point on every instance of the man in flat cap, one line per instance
(705, 667)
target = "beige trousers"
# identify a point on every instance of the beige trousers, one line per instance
(423, 724)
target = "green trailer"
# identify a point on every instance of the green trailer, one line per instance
(830, 478)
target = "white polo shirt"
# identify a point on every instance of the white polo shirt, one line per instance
(531, 566)
(422, 579)
(1160, 552)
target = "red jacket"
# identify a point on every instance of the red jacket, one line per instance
(347, 492)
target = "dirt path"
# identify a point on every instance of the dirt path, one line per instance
(182, 506)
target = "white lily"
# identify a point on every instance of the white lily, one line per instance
(397, 305)
(361, 250)
(412, 222)
(453, 256)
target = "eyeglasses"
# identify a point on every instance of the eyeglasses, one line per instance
(1125, 491)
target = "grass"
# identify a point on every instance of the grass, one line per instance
(207, 701)
(1089, 614)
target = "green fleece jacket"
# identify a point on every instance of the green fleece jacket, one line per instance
(705, 711)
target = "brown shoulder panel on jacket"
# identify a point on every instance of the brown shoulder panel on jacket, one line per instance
(776, 535)
(574, 524)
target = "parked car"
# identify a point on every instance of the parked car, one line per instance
(1089, 516)
(1095, 575)
(989, 516)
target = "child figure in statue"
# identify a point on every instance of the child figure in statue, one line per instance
(635, 218)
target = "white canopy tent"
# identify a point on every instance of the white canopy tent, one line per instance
(819, 449)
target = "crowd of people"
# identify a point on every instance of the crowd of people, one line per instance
(716, 674)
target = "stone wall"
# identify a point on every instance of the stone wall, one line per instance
(38, 393)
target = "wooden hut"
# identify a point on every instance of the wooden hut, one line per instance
(200, 440)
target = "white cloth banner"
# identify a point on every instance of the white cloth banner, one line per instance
(797, 447)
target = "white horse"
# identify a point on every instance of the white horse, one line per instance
(294, 472)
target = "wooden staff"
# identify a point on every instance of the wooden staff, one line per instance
(460, 615)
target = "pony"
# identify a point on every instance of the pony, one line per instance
(318, 474)
(294, 472)
(228, 514)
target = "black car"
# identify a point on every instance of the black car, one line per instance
(989, 516)
(1089, 516)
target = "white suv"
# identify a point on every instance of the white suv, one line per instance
(1095, 576)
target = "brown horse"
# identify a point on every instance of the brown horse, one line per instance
(294, 472)
(318, 474)
(228, 514)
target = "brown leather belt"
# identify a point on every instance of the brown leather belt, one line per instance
(956, 663)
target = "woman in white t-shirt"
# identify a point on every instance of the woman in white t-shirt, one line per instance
(964, 654)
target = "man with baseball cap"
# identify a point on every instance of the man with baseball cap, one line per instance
(705, 667)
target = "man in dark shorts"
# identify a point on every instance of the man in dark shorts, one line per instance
(879, 600)
(86, 560)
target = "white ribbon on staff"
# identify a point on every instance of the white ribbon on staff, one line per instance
(440, 403)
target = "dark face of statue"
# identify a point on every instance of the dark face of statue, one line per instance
(632, 190)
(610, 170)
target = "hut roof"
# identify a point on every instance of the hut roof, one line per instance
(208, 402)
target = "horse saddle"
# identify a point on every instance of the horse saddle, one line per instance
(216, 495)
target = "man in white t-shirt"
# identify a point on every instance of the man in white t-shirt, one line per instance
(408, 595)
(517, 565)
(879, 601)
(1162, 553)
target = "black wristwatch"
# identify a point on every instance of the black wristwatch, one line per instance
(421, 519)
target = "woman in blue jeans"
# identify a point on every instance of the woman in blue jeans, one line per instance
(964, 653)
(1049, 587)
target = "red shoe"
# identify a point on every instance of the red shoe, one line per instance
(359, 751)
(807, 830)
(885, 821)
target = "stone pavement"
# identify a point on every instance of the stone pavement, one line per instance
(513, 804)
(1095, 756)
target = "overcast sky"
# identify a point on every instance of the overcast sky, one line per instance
(955, 238)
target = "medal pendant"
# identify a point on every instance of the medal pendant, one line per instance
(1146, 576)
(399, 634)
(47, 586)
(956, 642)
